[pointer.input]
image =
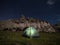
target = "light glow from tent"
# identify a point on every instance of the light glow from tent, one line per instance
(31, 31)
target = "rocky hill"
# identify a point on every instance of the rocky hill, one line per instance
(22, 23)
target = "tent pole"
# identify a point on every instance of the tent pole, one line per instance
(30, 32)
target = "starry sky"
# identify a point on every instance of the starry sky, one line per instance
(48, 10)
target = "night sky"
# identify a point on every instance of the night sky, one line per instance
(48, 10)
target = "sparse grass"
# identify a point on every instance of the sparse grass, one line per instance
(10, 38)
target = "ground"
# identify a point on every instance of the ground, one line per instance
(16, 38)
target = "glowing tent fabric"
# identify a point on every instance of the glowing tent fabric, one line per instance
(31, 32)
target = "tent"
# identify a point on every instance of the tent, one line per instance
(31, 32)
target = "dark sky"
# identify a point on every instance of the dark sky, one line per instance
(48, 10)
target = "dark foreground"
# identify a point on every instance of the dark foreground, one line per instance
(16, 38)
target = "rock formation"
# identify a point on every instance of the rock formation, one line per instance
(40, 25)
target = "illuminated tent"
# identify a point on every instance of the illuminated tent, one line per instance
(31, 32)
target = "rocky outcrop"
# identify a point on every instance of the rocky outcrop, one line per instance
(41, 26)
